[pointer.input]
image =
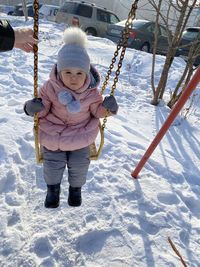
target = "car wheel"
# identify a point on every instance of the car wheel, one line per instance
(91, 31)
(145, 47)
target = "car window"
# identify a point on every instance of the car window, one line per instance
(48, 10)
(163, 31)
(84, 11)
(113, 19)
(103, 16)
(69, 8)
(191, 34)
(139, 23)
(54, 11)
(150, 28)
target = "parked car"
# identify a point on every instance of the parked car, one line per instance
(90, 17)
(189, 36)
(48, 12)
(18, 10)
(141, 35)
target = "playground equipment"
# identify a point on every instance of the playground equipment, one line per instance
(180, 103)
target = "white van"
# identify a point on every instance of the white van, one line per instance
(48, 12)
(92, 19)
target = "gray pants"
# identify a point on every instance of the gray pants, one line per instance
(55, 162)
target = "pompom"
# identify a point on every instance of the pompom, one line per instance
(74, 35)
(65, 97)
(74, 106)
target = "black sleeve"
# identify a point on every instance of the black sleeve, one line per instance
(7, 36)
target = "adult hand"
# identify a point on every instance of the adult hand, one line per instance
(24, 39)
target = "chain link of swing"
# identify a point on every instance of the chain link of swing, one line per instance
(123, 42)
(35, 50)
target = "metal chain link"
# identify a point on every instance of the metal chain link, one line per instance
(123, 42)
(35, 48)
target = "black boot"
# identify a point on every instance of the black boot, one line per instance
(53, 196)
(74, 198)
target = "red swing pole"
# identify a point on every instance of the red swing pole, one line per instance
(180, 103)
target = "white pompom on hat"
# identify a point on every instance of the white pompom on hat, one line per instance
(73, 53)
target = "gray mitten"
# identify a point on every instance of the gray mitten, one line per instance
(33, 106)
(110, 104)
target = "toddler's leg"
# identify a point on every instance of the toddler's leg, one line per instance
(78, 164)
(54, 166)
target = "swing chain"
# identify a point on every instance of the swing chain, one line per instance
(123, 42)
(35, 47)
(35, 50)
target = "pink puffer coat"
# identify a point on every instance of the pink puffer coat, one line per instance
(64, 130)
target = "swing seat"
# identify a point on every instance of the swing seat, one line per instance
(94, 150)
(38, 151)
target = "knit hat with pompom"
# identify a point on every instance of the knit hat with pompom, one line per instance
(73, 53)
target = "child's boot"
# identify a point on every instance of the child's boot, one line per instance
(53, 196)
(74, 198)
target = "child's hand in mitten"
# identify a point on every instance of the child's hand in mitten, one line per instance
(33, 106)
(110, 104)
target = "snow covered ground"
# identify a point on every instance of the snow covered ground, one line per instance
(122, 222)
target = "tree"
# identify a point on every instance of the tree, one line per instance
(193, 53)
(24, 6)
(182, 9)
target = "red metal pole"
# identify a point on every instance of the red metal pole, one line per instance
(180, 103)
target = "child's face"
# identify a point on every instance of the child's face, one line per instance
(73, 78)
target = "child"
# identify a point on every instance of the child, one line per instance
(69, 110)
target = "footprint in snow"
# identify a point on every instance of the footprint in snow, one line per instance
(23, 261)
(3, 120)
(13, 102)
(25, 148)
(8, 182)
(103, 242)
(22, 80)
(41, 246)
(19, 110)
(185, 237)
(13, 199)
(3, 154)
(168, 199)
(14, 218)
(148, 227)
(49, 262)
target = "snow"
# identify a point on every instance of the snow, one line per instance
(123, 222)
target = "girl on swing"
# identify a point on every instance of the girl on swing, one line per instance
(69, 107)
